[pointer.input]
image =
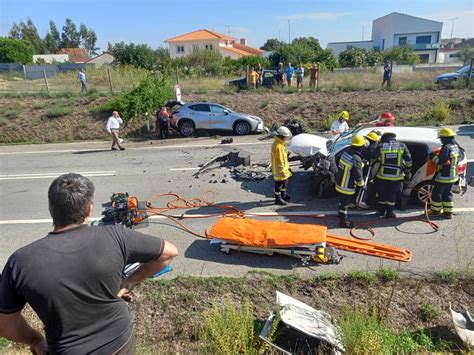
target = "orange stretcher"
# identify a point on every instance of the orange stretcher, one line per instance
(301, 240)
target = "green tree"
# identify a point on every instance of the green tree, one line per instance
(272, 44)
(70, 37)
(400, 55)
(88, 39)
(50, 43)
(353, 58)
(374, 58)
(55, 34)
(466, 54)
(203, 62)
(28, 32)
(310, 42)
(138, 55)
(16, 51)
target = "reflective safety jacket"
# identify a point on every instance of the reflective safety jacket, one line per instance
(280, 164)
(394, 158)
(349, 173)
(447, 163)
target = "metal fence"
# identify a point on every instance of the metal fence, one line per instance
(36, 71)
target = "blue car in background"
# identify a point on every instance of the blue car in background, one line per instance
(452, 77)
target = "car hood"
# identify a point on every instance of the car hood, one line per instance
(306, 145)
(448, 76)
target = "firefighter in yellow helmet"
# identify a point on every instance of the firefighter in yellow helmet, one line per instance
(349, 176)
(280, 165)
(340, 125)
(447, 174)
(368, 153)
(395, 166)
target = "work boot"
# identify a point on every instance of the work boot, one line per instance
(381, 213)
(390, 215)
(344, 222)
(287, 198)
(279, 201)
(447, 215)
(113, 148)
(363, 205)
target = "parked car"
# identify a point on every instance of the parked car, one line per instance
(268, 80)
(192, 116)
(322, 156)
(448, 78)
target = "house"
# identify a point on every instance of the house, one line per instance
(102, 59)
(450, 51)
(50, 58)
(76, 55)
(185, 44)
(398, 29)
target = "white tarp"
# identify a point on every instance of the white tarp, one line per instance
(464, 324)
(307, 320)
(306, 145)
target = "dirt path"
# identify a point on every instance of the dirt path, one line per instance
(40, 119)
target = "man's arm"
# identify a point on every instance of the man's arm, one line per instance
(15, 328)
(147, 270)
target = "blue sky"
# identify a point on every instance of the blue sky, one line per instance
(152, 21)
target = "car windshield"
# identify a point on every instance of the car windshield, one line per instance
(345, 139)
(464, 70)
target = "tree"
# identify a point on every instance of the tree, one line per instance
(70, 37)
(88, 39)
(16, 51)
(310, 42)
(272, 44)
(50, 43)
(138, 55)
(401, 55)
(353, 58)
(28, 32)
(55, 34)
(466, 54)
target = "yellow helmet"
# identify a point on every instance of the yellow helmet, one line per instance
(373, 136)
(358, 141)
(446, 132)
(344, 115)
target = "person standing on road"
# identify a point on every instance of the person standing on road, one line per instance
(113, 127)
(299, 77)
(387, 74)
(163, 123)
(447, 174)
(349, 177)
(281, 166)
(289, 74)
(314, 76)
(72, 278)
(260, 75)
(340, 125)
(253, 78)
(82, 79)
(395, 166)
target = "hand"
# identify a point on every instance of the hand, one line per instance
(39, 347)
(125, 291)
(408, 175)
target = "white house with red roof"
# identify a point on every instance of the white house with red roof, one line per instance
(185, 44)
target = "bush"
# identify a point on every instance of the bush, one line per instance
(353, 58)
(58, 110)
(148, 96)
(387, 274)
(16, 51)
(201, 62)
(440, 111)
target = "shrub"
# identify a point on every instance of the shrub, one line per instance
(327, 122)
(148, 96)
(360, 275)
(58, 110)
(429, 312)
(387, 274)
(449, 276)
(440, 111)
(16, 51)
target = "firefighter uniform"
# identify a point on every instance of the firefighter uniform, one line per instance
(280, 165)
(349, 176)
(447, 174)
(395, 164)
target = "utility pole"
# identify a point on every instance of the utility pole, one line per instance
(363, 30)
(452, 25)
(289, 32)
(228, 30)
(279, 35)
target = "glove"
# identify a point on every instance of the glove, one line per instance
(408, 175)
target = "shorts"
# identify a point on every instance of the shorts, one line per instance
(299, 79)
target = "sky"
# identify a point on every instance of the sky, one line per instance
(153, 21)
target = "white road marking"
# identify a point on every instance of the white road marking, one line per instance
(183, 169)
(411, 213)
(189, 146)
(55, 175)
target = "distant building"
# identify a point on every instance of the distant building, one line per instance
(398, 29)
(185, 44)
(50, 58)
(76, 55)
(102, 59)
(450, 51)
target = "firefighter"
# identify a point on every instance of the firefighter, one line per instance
(349, 176)
(386, 119)
(395, 166)
(280, 165)
(368, 153)
(447, 174)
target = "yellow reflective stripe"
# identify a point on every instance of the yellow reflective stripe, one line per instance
(435, 208)
(345, 192)
(448, 204)
(346, 172)
(436, 203)
(454, 165)
(385, 177)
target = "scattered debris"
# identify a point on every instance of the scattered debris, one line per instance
(227, 140)
(231, 159)
(306, 324)
(253, 173)
(464, 325)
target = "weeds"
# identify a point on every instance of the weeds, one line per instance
(439, 113)
(448, 276)
(429, 312)
(365, 276)
(327, 122)
(387, 274)
(455, 104)
(264, 104)
(59, 110)
(10, 113)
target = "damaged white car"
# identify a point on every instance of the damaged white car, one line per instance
(321, 155)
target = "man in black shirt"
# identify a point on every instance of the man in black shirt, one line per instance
(72, 278)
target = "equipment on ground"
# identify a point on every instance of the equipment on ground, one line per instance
(124, 209)
(464, 325)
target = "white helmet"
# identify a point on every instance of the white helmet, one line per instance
(283, 132)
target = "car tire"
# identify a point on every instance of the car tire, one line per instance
(422, 192)
(241, 128)
(186, 128)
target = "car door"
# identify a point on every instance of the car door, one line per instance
(200, 114)
(219, 117)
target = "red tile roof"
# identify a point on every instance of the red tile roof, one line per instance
(199, 35)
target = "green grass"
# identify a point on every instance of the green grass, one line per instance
(40, 105)
(429, 312)
(360, 275)
(387, 274)
(363, 333)
(449, 276)
(59, 110)
(10, 113)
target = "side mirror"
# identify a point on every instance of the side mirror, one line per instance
(226, 112)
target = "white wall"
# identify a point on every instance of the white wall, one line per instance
(445, 57)
(50, 58)
(189, 47)
(338, 47)
(411, 38)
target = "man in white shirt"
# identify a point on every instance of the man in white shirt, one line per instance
(113, 126)
(83, 80)
(340, 125)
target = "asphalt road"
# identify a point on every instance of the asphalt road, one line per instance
(150, 168)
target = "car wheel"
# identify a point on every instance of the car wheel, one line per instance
(422, 192)
(186, 128)
(241, 128)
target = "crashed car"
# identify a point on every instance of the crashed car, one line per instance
(189, 117)
(322, 155)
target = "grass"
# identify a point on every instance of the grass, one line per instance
(59, 110)
(429, 312)
(364, 276)
(387, 274)
(363, 333)
(448, 276)
(10, 113)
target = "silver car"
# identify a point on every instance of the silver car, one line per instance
(210, 116)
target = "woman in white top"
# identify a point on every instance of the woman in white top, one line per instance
(113, 126)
